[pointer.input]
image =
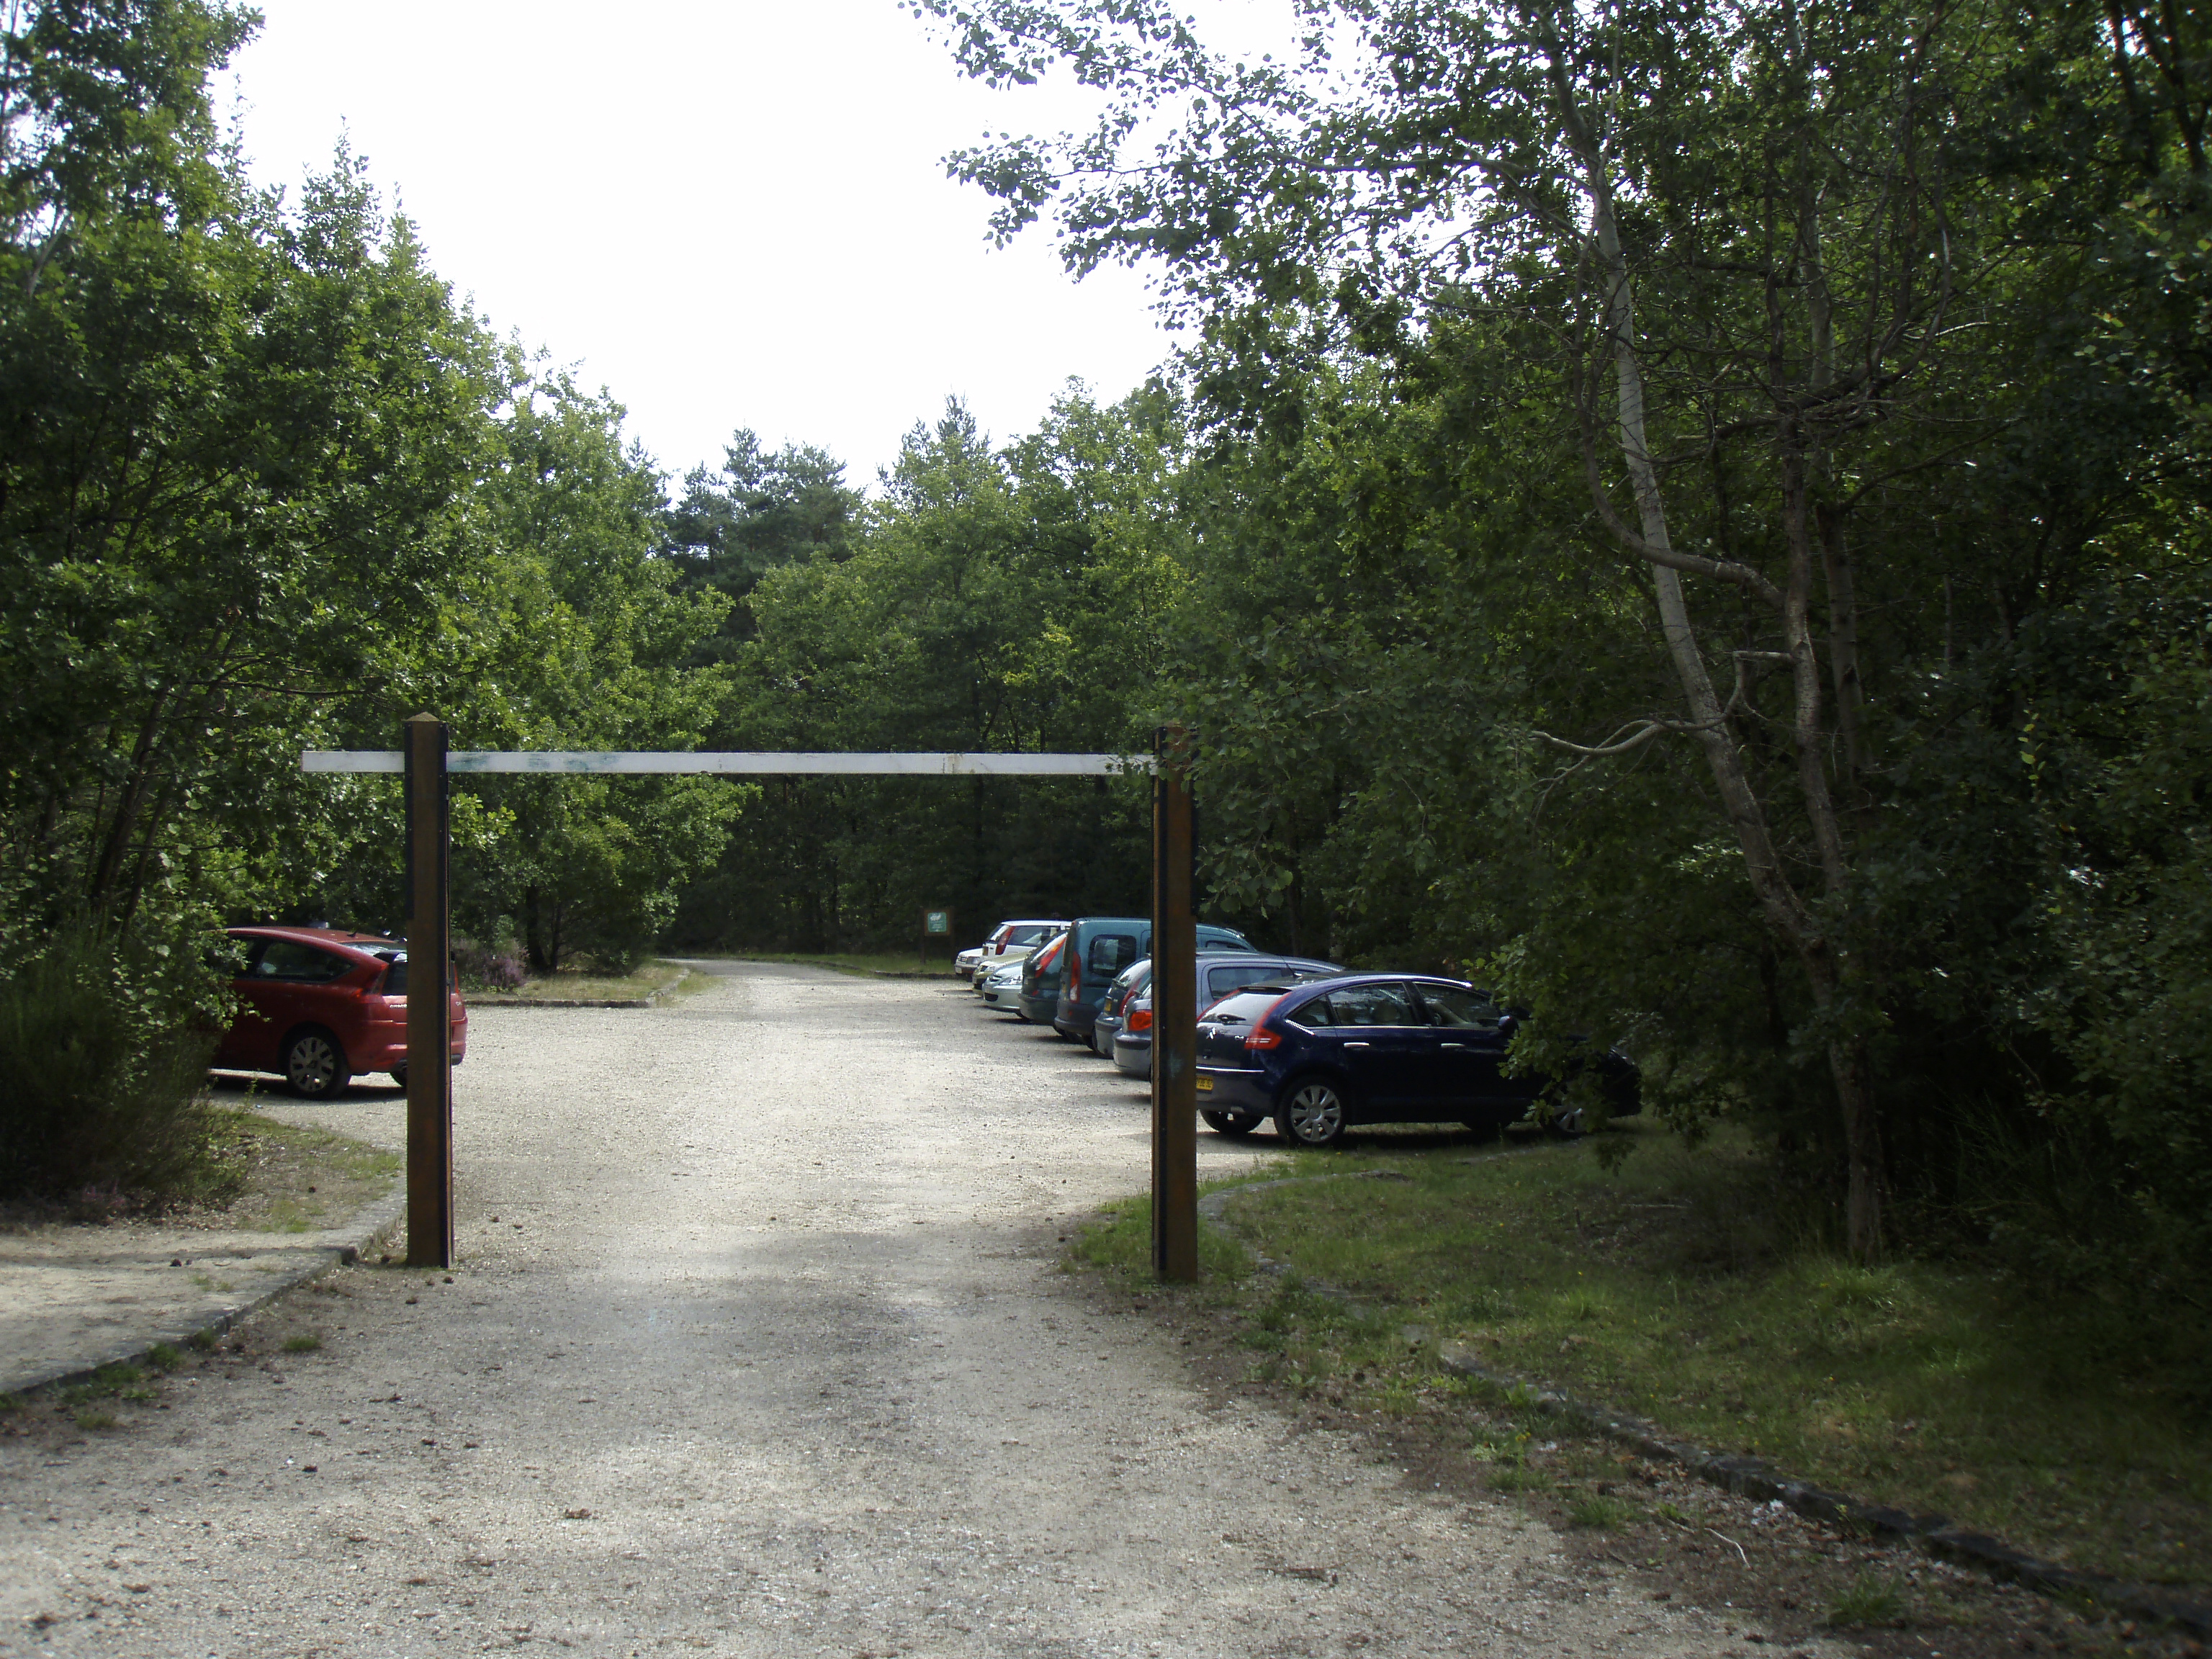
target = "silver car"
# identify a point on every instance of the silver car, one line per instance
(1131, 1045)
(1001, 989)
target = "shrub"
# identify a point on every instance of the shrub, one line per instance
(104, 1106)
(496, 967)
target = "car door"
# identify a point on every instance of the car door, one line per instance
(1384, 1042)
(287, 985)
(1468, 1034)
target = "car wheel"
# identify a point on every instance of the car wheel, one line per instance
(1313, 1113)
(314, 1065)
(1233, 1124)
(400, 1075)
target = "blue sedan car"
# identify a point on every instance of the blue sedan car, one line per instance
(1321, 1057)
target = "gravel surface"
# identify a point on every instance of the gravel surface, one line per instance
(758, 1346)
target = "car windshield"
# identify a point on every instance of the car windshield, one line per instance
(1022, 938)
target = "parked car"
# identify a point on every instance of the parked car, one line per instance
(1001, 989)
(1010, 942)
(1099, 948)
(1321, 1057)
(319, 1007)
(1040, 988)
(1130, 1048)
(1126, 983)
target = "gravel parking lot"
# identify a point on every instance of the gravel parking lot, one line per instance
(758, 1346)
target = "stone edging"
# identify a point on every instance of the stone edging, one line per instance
(1754, 1477)
(369, 1228)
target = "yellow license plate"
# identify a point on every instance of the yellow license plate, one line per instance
(1205, 1084)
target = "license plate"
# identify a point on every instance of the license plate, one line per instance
(1206, 1085)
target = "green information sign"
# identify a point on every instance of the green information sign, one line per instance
(937, 921)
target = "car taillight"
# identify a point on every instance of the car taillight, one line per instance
(1262, 1036)
(1074, 974)
(1140, 1019)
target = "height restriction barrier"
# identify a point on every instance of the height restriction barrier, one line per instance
(428, 764)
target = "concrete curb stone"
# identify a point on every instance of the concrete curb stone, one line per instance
(1754, 1477)
(369, 1229)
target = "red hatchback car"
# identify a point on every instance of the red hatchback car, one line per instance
(319, 1007)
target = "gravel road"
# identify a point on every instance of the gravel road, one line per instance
(757, 1348)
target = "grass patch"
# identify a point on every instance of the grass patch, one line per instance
(864, 963)
(118, 1380)
(165, 1356)
(295, 1179)
(1600, 1513)
(1665, 1288)
(1869, 1601)
(1120, 1243)
(645, 980)
(302, 1343)
(92, 1422)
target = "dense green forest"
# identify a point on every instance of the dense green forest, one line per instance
(1696, 516)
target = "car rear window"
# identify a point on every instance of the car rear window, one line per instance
(1210, 940)
(298, 964)
(1242, 1008)
(1110, 953)
(1221, 980)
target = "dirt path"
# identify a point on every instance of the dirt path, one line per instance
(757, 1348)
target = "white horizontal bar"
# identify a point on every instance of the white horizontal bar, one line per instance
(734, 761)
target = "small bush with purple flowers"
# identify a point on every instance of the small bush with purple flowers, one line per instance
(488, 967)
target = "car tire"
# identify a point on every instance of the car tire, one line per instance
(315, 1064)
(1314, 1113)
(398, 1075)
(1235, 1125)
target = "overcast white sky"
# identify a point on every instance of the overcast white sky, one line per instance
(728, 215)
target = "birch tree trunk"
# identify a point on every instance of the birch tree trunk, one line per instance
(1785, 908)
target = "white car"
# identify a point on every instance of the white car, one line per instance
(1010, 942)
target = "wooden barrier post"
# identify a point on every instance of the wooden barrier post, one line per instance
(1174, 1015)
(430, 949)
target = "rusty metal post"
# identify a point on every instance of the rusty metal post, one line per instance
(1174, 1015)
(430, 949)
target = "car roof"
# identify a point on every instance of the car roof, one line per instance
(344, 937)
(1335, 980)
